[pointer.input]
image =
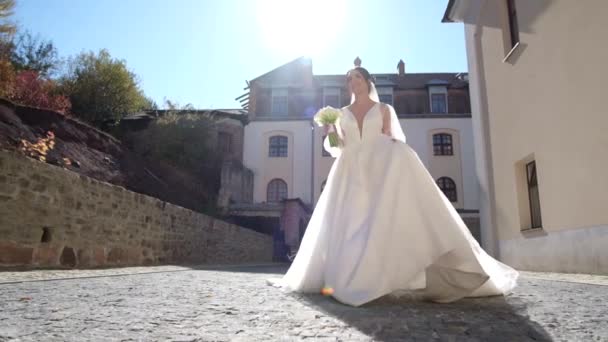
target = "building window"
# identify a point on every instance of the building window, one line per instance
(331, 97)
(279, 102)
(324, 152)
(385, 95)
(447, 185)
(224, 142)
(276, 191)
(438, 103)
(513, 26)
(386, 99)
(442, 144)
(533, 195)
(332, 101)
(277, 146)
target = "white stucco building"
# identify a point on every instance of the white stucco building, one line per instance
(537, 73)
(283, 147)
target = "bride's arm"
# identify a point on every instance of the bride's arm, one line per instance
(336, 150)
(390, 123)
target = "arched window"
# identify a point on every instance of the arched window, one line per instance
(447, 185)
(442, 144)
(277, 146)
(276, 191)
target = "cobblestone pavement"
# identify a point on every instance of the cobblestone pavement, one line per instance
(233, 303)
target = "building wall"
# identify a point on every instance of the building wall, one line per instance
(236, 184)
(460, 167)
(304, 102)
(52, 217)
(305, 169)
(545, 102)
(235, 129)
(295, 169)
(449, 166)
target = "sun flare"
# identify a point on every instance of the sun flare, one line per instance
(297, 27)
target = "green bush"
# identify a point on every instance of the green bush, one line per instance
(185, 141)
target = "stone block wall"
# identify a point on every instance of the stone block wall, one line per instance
(236, 184)
(51, 217)
(237, 132)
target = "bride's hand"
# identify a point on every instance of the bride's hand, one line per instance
(389, 136)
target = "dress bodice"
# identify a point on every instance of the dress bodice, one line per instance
(371, 125)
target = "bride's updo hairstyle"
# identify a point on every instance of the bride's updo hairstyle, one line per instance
(366, 75)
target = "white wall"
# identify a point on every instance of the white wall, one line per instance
(295, 169)
(417, 131)
(545, 101)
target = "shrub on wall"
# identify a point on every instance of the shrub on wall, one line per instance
(185, 141)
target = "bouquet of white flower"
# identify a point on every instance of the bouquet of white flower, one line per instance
(327, 117)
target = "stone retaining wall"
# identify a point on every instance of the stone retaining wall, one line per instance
(53, 217)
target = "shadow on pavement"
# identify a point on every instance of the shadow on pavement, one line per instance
(277, 268)
(407, 318)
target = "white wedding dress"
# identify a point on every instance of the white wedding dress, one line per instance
(382, 225)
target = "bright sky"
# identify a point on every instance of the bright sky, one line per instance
(202, 51)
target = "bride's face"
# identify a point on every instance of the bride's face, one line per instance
(356, 82)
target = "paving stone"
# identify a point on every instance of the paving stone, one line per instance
(233, 303)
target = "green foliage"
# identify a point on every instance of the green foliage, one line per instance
(31, 53)
(182, 139)
(7, 78)
(7, 28)
(102, 90)
(185, 141)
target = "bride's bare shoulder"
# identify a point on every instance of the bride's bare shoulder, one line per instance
(384, 107)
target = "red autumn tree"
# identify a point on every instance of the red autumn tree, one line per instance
(30, 89)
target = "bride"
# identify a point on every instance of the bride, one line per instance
(382, 225)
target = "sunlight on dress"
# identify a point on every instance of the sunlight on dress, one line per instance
(382, 225)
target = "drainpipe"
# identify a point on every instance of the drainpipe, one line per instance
(483, 148)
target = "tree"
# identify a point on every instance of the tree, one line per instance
(7, 78)
(174, 107)
(183, 138)
(6, 31)
(31, 53)
(6, 10)
(32, 90)
(7, 28)
(102, 90)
